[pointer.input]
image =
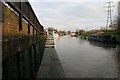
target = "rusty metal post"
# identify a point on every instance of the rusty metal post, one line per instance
(20, 18)
(28, 27)
(28, 20)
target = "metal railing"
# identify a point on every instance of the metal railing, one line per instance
(25, 10)
(22, 54)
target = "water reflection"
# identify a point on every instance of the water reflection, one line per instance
(84, 59)
(103, 45)
(57, 38)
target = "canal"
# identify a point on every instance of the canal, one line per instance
(84, 59)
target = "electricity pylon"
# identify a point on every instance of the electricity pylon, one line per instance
(109, 15)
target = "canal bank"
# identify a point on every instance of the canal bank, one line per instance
(78, 58)
(51, 66)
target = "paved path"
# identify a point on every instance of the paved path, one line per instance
(50, 66)
(49, 42)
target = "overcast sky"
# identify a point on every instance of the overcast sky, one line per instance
(71, 14)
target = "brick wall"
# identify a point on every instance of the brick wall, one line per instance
(10, 22)
(10, 25)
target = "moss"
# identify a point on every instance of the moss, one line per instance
(117, 36)
(9, 13)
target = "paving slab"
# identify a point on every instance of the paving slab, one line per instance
(51, 66)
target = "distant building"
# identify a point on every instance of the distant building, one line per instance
(50, 31)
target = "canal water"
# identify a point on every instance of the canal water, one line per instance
(84, 59)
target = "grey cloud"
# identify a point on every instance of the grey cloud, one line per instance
(70, 15)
